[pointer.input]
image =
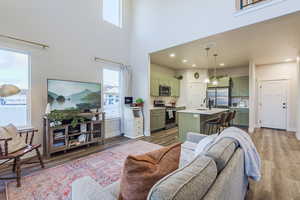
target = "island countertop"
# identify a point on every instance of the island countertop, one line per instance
(204, 111)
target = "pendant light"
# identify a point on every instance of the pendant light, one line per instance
(215, 80)
(206, 80)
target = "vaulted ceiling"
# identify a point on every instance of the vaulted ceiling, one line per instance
(273, 41)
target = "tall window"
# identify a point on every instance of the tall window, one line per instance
(112, 12)
(111, 92)
(14, 70)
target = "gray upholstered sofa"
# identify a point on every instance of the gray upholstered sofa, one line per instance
(217, 175)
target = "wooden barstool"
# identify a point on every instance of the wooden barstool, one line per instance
(215, 125)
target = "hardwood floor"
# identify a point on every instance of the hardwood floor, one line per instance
(279, 150)
(280, 154)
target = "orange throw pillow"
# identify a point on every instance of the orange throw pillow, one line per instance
(141, 172)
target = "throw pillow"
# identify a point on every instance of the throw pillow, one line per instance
(17, 142)
(141, 172)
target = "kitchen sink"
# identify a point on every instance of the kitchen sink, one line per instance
(202, 109)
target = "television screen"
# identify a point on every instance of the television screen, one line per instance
(64, 95)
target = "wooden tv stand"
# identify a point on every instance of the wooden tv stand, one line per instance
(64, 137)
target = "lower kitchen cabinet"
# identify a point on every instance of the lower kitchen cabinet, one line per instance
(157, 119)
(178, 109)
(242, 117)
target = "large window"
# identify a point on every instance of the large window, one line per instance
(112, 12)
(14, 70)
(111, 92)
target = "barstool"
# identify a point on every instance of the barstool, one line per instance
(215, 124)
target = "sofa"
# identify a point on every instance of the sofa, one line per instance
(217, 174)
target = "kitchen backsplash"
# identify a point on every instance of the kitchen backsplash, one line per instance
(240, 101)
(167, 100)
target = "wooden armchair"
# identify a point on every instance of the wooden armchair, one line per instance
(16, 155)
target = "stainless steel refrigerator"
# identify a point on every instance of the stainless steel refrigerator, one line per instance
(220, 96)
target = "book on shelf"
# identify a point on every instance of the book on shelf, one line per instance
(59, 144)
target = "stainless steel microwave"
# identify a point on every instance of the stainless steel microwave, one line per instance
(164, 91)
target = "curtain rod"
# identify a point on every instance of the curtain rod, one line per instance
(25, 41)
(97, 59)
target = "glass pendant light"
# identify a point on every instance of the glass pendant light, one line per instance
(206, 80)
(215, 80)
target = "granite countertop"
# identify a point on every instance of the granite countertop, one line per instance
(162, 108)
(157, 108)
(204, 111)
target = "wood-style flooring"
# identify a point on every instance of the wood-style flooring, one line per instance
(279, 150)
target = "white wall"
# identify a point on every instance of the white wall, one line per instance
(287, 71)
(192, 91)
(160, 24)
(76, 34)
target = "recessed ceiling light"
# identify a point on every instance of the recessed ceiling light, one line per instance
(194, 65)
(172, 55)
(222, 64)
(184, 61)
(288, 60)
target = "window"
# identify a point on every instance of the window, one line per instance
(14, 70)
(112, 12)
(111, 92)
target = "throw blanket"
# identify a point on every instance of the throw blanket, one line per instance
(252, 158)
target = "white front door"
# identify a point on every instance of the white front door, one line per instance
(273, 105)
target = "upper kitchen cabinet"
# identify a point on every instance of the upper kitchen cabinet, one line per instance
(175, 88)
(240, 86)
(154, 87)
(222, 82)
(173, 83)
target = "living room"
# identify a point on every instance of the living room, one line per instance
(101, 49)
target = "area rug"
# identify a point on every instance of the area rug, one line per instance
(55, 183)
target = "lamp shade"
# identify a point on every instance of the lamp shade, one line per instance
(8, 90)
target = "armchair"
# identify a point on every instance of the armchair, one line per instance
(8, 154)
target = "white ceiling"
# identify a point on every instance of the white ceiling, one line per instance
(271, 41)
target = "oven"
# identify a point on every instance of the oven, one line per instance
(164, 91)
(170, 117)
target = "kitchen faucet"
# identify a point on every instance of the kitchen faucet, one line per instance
(208, 101)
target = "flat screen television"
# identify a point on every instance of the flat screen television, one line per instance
(63, 95)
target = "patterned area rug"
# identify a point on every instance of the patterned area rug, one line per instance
(55, 183)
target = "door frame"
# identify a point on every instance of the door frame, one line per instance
(259, 97)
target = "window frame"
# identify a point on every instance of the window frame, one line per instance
(120, 24)
(112, 68)
(29, 93)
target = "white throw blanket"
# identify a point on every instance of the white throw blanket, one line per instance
(252, 158)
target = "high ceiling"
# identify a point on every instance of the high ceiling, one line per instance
(272, 41)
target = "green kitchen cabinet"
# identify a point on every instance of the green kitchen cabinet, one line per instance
(222, 82)
(235, 87)
(240, 86)
(157, 119)
(178, 109)
(244, 86)
(175, 88)
(241, 117)
(154, 87)
(188, 123)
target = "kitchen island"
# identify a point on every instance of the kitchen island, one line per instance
(193, 120)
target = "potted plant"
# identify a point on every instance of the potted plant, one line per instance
(139, 102)
(59, 117)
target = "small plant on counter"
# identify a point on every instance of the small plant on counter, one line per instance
(139, 102)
